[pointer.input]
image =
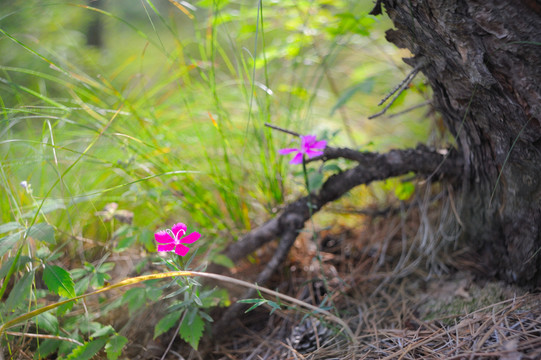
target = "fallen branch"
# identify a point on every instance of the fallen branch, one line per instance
(371, 167)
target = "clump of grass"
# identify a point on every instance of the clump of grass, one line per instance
(166, 123)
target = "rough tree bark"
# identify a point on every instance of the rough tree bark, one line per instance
(482, 59)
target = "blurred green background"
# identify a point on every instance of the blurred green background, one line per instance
(159, 107)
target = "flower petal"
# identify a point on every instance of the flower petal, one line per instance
(163, 237)
(313, 153)
(322, 144)
(297, 159)
(287, 151)
(308, 139)
(181, 250)
(179, 228)
(166, 247)
(190, 239)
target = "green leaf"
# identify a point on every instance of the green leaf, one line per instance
(23, 260)
(48, 206)
(332, 167)
(99, 278)
(20, 291)
(58, 281)
(135, 298)
(256, 302)
(106, 330)
(315, 180)
(197, 300)
(146, 237)
(42, 232)
(63, 309)
(7, 242)
(46, 348)
(153, 293)
(221, 259)
(82, 285)
(404, 190)
(274, 306)
(10, 226)
(215, 297)
(114, 346)
(125, 243)
(365, 87)
(48, 322)
(166, 323)
(191, 333)
(87, 350)
(106, 267)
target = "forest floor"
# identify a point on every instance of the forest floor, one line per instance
(395, 307)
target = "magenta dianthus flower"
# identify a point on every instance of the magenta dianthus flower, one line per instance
(166, 242)
(309, 146)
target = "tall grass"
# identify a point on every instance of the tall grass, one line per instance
(167, 119)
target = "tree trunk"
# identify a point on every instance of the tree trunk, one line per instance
(482, 59)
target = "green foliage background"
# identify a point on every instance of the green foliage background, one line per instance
(167, 120)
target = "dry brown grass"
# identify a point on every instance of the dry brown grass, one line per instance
(402, 301)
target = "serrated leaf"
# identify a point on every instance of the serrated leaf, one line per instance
(7, 242)
(63, 309)
(58, 281)
(87, 350)
(135, 298)
(191, 333)
(10, 226)
(166, 323)
(48, 322)
(66, 347)
(20, 291)
(114, 346)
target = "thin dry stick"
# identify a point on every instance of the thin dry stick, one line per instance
(44, 336)
(424, 103)
(405, 82)
(138, 279)
(173, 337)
(282, 130)
(398, 90)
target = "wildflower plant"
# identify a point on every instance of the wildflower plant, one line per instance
(309, 147)
(174, 239)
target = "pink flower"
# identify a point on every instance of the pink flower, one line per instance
(309, 146)
(166, 242)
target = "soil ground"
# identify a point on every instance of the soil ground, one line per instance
(399, 302)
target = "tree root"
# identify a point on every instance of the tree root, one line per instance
(371, 167)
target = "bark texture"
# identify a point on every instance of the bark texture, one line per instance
(371, 167)
(483, 61)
